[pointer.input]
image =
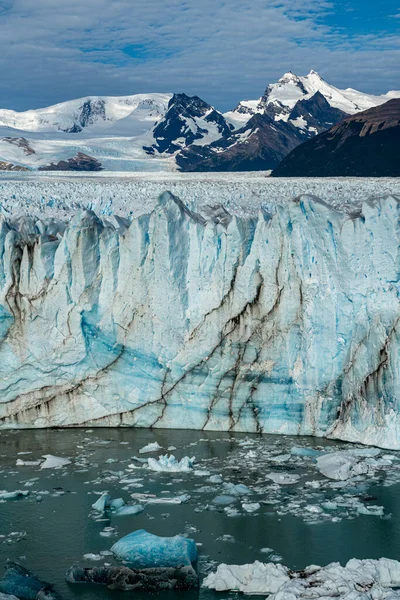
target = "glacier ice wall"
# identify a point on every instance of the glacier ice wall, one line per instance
(287, 322)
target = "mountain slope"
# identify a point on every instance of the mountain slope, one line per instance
(259, 145)
(152, 132)
(96, 114)
(291, 88)
(140, 132)
(188, 120)
(365, 144)
(298, 108)
(264, 140)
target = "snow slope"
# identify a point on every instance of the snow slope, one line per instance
(126, 133)
(130, 115)
(283, 322)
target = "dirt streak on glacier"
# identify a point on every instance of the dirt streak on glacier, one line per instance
(286, 322)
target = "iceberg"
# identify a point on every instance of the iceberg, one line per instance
(143, 550)
(169, 464)
(54, 462)
(20, 582)
(358, 580)
(152, 447)
(13, 495)
(282, 321)
(345, 464)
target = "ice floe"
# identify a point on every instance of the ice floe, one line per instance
(358, 580)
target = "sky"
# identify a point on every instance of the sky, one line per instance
(221, 50)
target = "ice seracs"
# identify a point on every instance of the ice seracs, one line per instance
(144, 323)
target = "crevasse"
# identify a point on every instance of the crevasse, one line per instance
(283, 323)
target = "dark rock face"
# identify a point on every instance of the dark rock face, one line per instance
(126, 579)
(363, 145)
(265, 140)
(259, 145)
(180, 128)
(21, 142)
(317, 113)
(6, 166)
(24, 584)
(80, 162)
(90, 112)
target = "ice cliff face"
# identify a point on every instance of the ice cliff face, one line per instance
(284, 323)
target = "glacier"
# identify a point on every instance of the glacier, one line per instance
(284, 321)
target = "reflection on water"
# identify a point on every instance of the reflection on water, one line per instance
(59, 530)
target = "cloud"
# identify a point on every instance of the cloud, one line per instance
(222, 50)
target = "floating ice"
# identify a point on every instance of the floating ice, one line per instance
(128, 510)
(12, 495)
(101, 504)
(358, 580)
(54, 462)
(251, 507)
(91, 556)
(24, 584)
(177, 500)
(283, 478)
(256, 578)
(301, 451)
(142, 550)
(28, 463)
(238, 489)
(169, 464)
(223, 500)
(345, 464)
(152, 447)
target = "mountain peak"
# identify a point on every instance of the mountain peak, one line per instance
(289, 76)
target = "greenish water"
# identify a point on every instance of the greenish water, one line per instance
(58, 530)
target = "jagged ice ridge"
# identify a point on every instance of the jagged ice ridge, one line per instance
(285, 322)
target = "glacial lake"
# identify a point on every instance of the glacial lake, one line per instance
(314, 521)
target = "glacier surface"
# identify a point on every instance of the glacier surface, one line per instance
(281, 321)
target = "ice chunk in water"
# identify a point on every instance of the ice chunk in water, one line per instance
(238, 489)
(256, 578)
(142, 550)
(13, 495)
(28, 463)
(358, 580)
(345, 464)
(102, 502)
(152, 447)
(223, 500)
(169, 464)
(283, 478)
(300, 451)
(251, 507)
(128, 509)
(22, 583)
(54, 462)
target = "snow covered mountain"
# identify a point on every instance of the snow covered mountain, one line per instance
(364, 144)
(118, 133)
(132, 115)
(283, 95)
(289, 113)
(162, 131)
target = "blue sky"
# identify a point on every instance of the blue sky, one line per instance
(221, 50)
